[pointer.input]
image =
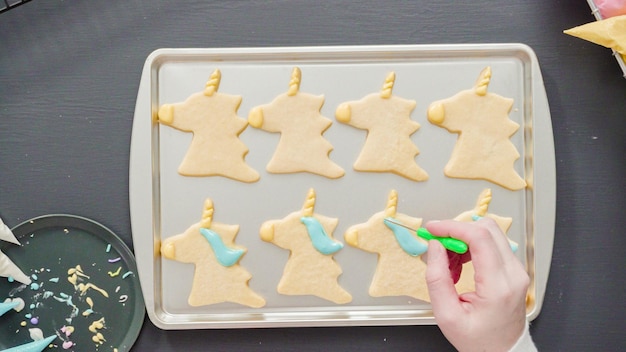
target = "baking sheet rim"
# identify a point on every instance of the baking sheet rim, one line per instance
(544, 207)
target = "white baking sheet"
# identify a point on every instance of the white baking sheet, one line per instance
(164, 203)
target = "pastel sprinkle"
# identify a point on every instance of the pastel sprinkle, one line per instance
(34, 286)
(115, 260)
(54, 279)
(36, 334)
(28, 316)
(23, 323)
(34, 276)
(127, 274)
(67, 345)
(108, 248)
(67, 330)
(34, 320)
(10, 279)
(114, 274)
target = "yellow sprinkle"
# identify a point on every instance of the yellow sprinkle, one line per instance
(89, 302)
(23, 323)
(114, 274)
(98, 338)
(96, 325)
(84, 287)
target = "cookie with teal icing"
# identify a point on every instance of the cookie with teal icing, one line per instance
(218, 276)
(311, 268)
(400, 270)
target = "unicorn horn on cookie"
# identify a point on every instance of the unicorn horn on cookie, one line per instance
(8, 269)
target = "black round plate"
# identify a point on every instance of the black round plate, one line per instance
(54, 247)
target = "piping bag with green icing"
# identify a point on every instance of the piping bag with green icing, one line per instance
(452, 244)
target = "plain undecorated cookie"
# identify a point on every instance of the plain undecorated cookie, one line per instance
(483, 149)
(387, 119)
(296, 116)
(215, 149)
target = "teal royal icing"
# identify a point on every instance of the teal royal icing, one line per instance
(407, 240)
(7, 306)
(321, 241)
(512, 244)
(35, 346)
(225, 255)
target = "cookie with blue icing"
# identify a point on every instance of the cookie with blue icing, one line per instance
(311, 268)
(400, 271)
(218, 276)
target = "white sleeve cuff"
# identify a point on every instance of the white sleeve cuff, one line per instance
(524, 343)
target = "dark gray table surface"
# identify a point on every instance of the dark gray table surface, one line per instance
(69, 73)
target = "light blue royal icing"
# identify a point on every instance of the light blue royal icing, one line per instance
(225, 255)
(321, 241)
(7, 306)
(407, 240)
(35, 346)
(512, 244)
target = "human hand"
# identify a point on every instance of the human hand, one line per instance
(494, 316)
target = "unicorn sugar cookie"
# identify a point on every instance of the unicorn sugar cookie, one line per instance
(483, 149)
(296, 116)
(218, 277)
(310, 269)
(215, 149)
(388, 146)
(480, 210)
(400, 270)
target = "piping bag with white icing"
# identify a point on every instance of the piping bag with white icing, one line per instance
(6, 234)
(7, 267)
